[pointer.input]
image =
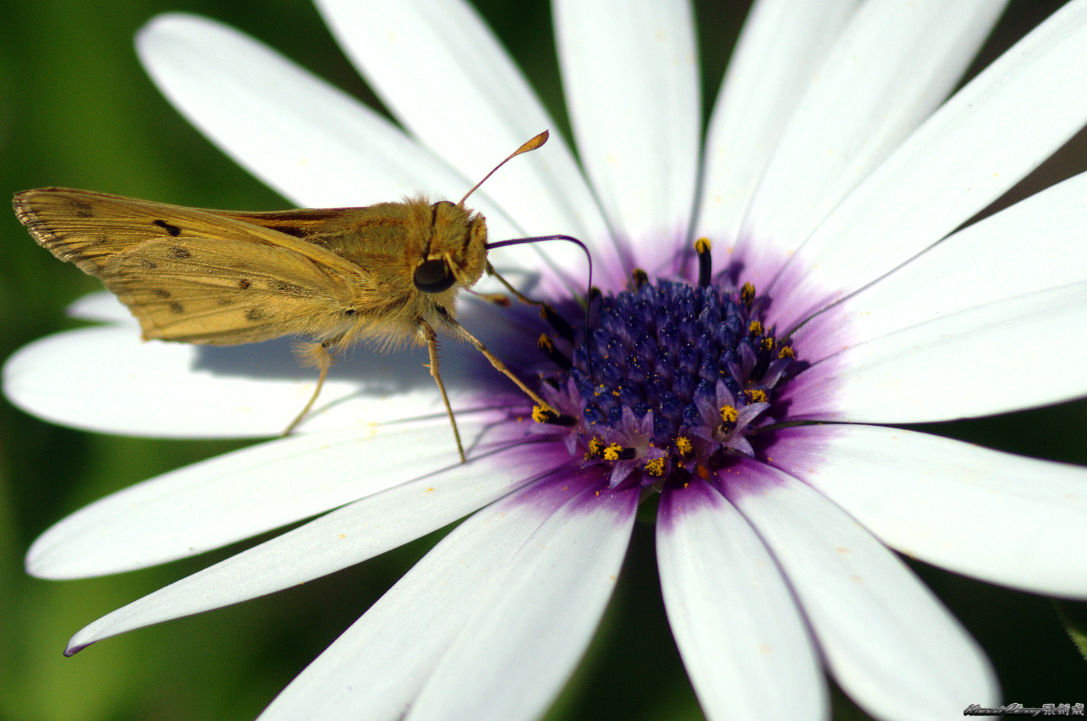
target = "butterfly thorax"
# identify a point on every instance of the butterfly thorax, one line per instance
(390, 243)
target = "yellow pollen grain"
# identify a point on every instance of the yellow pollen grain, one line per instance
(755, 328)
(702, 245)
(655, 467)
(683, 445)
(611, 453)
(540, 414)
(747, 294)
(729, 414)
(756, 396)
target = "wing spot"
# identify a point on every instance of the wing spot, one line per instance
(254, 314)
(161, 292)
(177, 308)
(80, 209)
(284, 287)
(148, 264)
(177, 253)
(244, 283)
(171, 229)
(349, 311)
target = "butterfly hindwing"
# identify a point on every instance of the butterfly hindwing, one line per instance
(220, 291)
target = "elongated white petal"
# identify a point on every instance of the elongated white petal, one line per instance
(975, 362)
(238, 495)
(888, 641)
(734, 618)
(102, 308)
(994, 131)
(998, 517)
(513, 655)
(630, 71)
(894, 63)
(376, 668)
(782, 45)
(344, 537)
(185, 391)
(1034, 245)
(307, 140)
(447, 79)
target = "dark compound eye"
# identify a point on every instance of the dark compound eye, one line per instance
(434, 276)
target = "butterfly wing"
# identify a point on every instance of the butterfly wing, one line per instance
(229, 291)
(88, 228)
(196, 276)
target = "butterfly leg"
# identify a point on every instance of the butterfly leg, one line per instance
(432, 347)
(316, 355)
(516, 293)
(548, 313)
(499, 366)
(495, 298)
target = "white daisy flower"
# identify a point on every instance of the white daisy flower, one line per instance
(737, 382)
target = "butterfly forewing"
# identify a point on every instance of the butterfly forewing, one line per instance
(89, 228)
(196, 276)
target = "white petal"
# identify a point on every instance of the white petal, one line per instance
(630, 71)
(238, 495)
(739, 631)
(998, 517)
(101, 307)
(782, 44)
(473, 108)
(888, 641)
(976, 362)
(1033, 245)
(376, 668)
(514, 654)
(994, 131)
(894, 63)
(309, 141)
(344, 537)
(185, 391)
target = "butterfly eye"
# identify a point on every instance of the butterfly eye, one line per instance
(434, 276)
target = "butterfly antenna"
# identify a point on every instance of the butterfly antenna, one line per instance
(530, 145)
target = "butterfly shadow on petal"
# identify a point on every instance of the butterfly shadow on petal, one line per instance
(375, 373)
(509, 332)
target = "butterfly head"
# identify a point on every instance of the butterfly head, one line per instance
(456, 254)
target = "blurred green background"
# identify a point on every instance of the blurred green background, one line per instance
(77, 110)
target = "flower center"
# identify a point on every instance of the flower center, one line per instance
(672, 377)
